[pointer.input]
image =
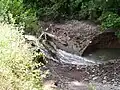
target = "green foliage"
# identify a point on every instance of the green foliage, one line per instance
(117, 33)
(17, 69)
(110, 19)
(106, 12)
(53, 9)
(49, 9)
(15, 12)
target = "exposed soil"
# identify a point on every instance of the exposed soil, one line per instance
(102, 77)
(80, 38)
(73, 36)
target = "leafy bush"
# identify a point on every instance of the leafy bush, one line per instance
(110, 19)
(15, 12)
(105, 12)
(49, 9)
(54, 9)
(17, 69)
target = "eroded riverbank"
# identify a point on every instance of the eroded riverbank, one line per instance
(72, 77)
(64, 43)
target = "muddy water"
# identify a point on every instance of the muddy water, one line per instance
(73, 58)
(76, 35)
(104, 55)
(97, 57)
(60, 63)
(89, 68)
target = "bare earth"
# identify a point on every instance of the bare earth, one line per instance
(74, 37)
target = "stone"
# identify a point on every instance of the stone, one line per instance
(81, 37)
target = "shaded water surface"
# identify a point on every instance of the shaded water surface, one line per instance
(104, 55)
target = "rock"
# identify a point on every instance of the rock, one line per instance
(80, 37)
(49, 85)
(73, 36)
(95, 78)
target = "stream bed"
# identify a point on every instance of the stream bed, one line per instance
(63, 46)
(103, 55)
(72, 72)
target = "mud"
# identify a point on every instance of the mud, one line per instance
(80, 37)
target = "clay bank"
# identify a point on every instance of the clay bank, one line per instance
(80, 37)
(70, 48)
